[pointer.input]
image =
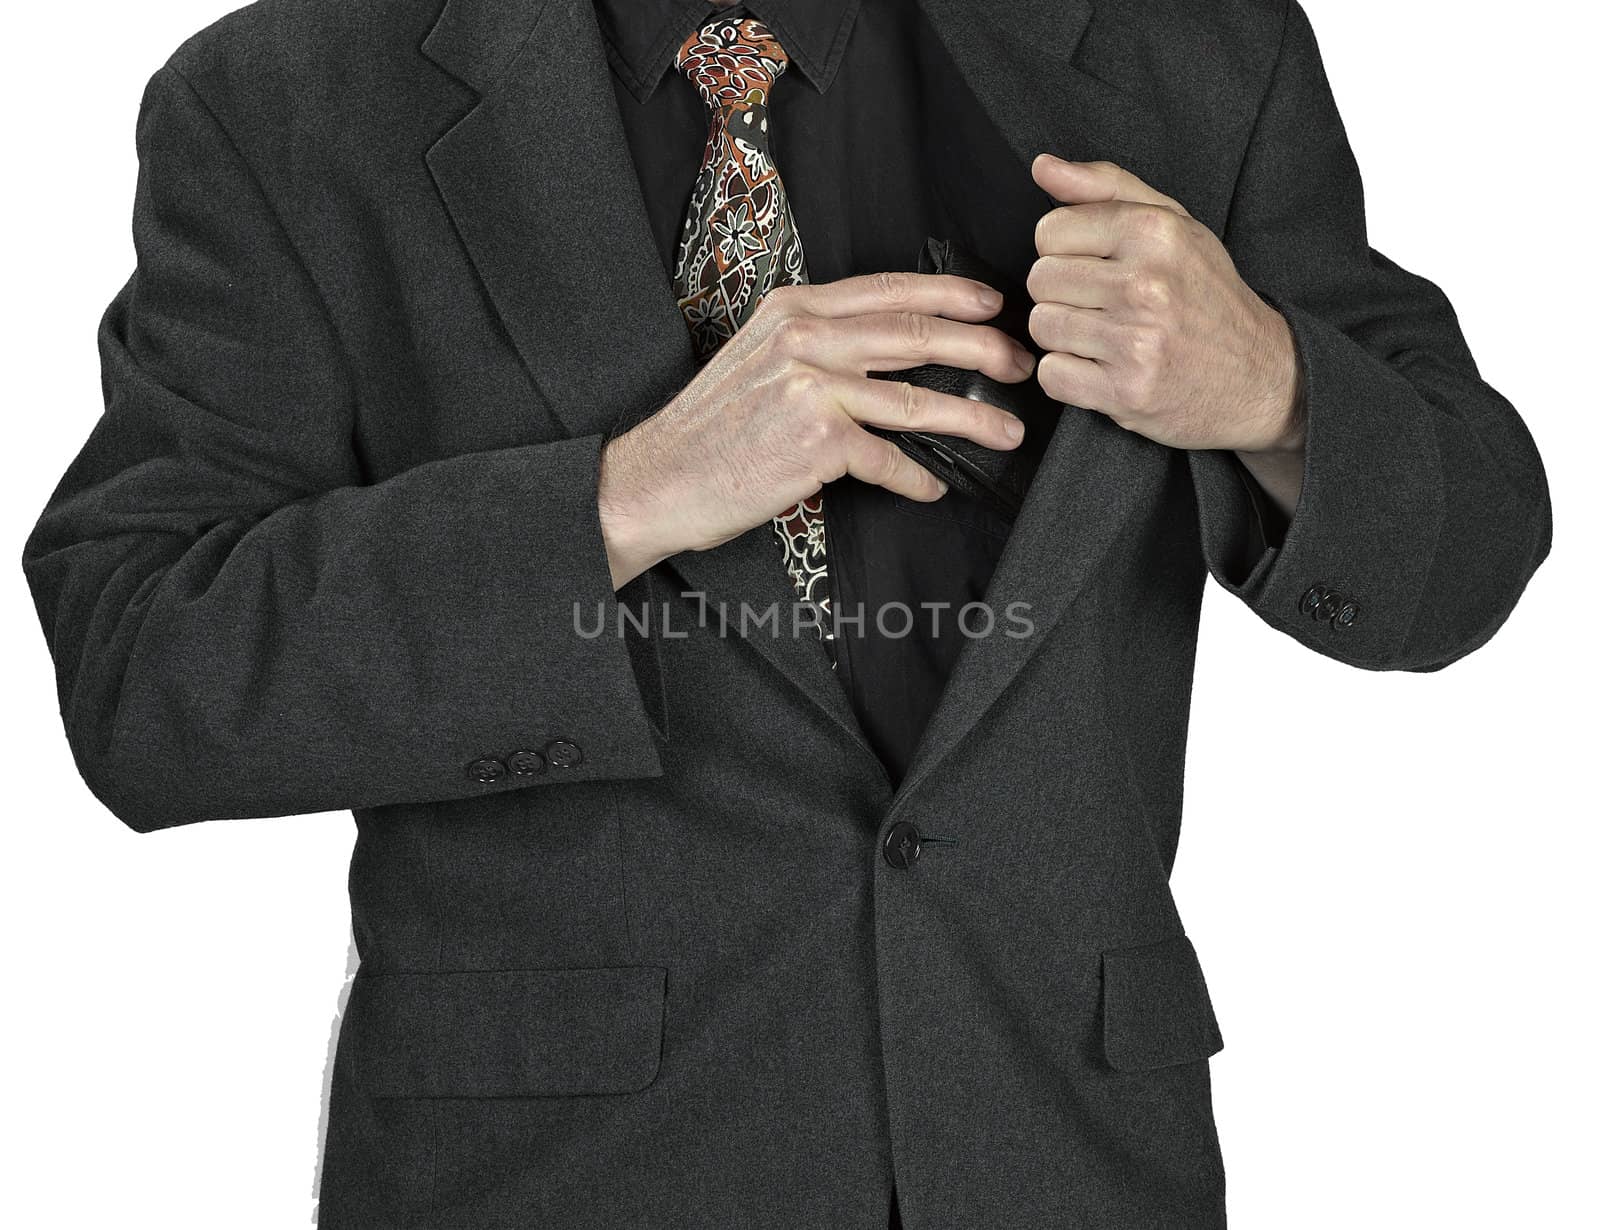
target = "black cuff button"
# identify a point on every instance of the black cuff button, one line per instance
(486, 770)
(526, 763)
(563, 754)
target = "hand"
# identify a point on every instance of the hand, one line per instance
(1148, 322)
(778, 411)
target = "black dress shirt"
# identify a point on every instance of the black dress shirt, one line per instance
(864, 122)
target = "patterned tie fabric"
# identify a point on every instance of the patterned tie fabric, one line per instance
(739, 240)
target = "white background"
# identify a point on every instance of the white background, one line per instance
(1390, 878)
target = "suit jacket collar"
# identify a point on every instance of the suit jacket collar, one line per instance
(538, 180)
(643, 36)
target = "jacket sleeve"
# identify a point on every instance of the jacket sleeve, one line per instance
(1424, 509)
(241, 626)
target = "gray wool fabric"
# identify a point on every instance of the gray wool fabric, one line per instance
(395, 284)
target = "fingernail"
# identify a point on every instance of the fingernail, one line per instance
(1013, 428)
(1025, 361)
(942, 486)
(990, 298)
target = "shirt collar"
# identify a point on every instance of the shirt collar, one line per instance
(643, 36)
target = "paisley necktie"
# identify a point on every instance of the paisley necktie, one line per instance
(739, 240)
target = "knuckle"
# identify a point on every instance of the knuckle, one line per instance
(887, 459)
(1000, 348)
(1150, 291)
(915, 331)
(817, 434)
(799, 387)
(892, 285)
(1138, 392)
(1040, 321)
(780, 300)
(1156, 225)
(1050, 379)
(1138, 346)
(872, 461)
(797, 334)
(912, 404)
(1043, 230)
(830, 428)
(1144, 351)
(1038, 281)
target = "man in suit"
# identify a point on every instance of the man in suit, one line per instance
(452, 318)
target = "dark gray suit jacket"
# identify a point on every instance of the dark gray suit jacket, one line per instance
(394, 285)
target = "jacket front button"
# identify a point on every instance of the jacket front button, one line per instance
(903, 845)
(526, 764)
(486, 769)
(563, 754)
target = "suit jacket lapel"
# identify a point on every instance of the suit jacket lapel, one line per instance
(1017, 59)
(539, 182)
(747, 593)
(1021, 60)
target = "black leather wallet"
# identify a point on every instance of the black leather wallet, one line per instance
(996, 478)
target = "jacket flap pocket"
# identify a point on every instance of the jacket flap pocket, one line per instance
(506, 1033)
(1156, 1009)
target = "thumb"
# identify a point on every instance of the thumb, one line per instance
(1080, 183)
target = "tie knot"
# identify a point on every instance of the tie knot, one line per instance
(732, 62)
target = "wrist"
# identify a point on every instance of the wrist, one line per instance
(627, 525)
(1283, 384)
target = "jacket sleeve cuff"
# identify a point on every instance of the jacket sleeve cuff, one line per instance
(1347, 577)
(582, 678)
